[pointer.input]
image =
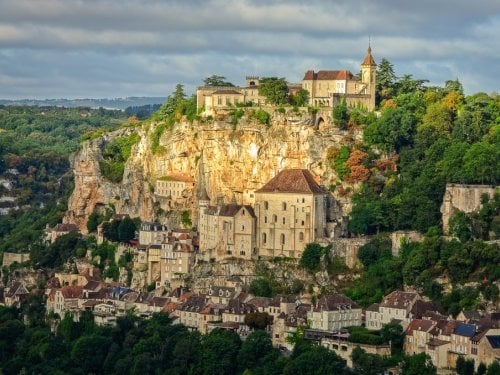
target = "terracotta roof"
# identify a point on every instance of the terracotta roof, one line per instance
(177, 177)
(398, 299)
(333, 302)
(369, 58)
(292, 181)
(328, 75)
(71, 291)
(169, 307)
(226, 92)
(419, 325)
(232, 209)
(159, 301)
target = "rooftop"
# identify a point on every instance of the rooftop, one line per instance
(299, 181)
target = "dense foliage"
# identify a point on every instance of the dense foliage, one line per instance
(115, 154)
(424, 138)
(151, 346)
(35, 143)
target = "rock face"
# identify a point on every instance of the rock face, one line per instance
(228, 161)
(465, 198)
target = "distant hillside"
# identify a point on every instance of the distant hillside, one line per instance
(116, 103)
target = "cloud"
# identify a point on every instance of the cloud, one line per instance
(131, 47)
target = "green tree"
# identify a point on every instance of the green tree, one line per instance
(254, 350)
(258, 320)
(481, 163)
(460, 226)
(126, 229)
(220, 351)
(317, 360)
(493, 368)
(367, 364)
(274, 89)
(311, 257)
(261, 287)
(93, 222)
(89, 352)
(340, 115)
(215, 80)
(393, 333)
(385, 80)
(418, 364)
(464, 366)
(300, 98)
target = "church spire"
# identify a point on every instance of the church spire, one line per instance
(369, 60)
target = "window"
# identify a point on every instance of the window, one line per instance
(242, 227)
(275, 218)
(265, 219)
(284, 220)
(301, 236)
(282, 239)
(264, 238)
(266, 205)
(283, 205)
(219, 100)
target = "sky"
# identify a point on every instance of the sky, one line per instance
(118, 48)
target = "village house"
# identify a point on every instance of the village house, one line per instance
(15, 294)
(227, 231)
(152, 233)
(65, 300)
(59, 230)
(211, 313)
(176, 188)
(285, 325)
(328, 87)
(291, 212)
(396, 306)
(177, 256)
(191, 310)
(332, 312)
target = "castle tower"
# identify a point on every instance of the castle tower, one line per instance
(368, 76)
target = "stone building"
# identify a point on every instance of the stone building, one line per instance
(176, 187)
(396, 305)
(177, 256)
(226, 231)
(152, 233)
(333, 312)
(328, 87)
(291, 211)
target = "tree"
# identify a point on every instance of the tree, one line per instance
(315, 360)
(367, 364)
(300, 98)
(461, 226)
(385, 80)
(481, 163)
(126, 229)
(215, 80)
(393, 333)
(493, 369)
(93, 221)
(90, 352)
(254, 349)
(274, 89)
(261, 287)
(340, 115)
(258, 320)
(418, 364)
(464, 366)
(311, 257)
(220, 350)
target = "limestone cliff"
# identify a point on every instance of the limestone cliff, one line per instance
(228, 161)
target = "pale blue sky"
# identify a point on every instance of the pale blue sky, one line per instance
(117, 48)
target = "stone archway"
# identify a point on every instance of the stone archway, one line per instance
(319, 121)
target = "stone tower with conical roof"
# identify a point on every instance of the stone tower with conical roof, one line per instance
(368, 75)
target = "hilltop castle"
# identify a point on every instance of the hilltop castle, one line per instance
(326, 88)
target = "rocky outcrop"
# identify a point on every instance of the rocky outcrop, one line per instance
(228, 161)
(465, 198)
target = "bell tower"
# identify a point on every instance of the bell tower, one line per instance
(368, 76)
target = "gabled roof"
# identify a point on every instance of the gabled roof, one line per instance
(334, 302)
(232, 209)
(419, 325)
(328, 75)
(292, 181)
(398, 299)
(71, 291)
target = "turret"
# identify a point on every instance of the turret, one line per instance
(368, 76)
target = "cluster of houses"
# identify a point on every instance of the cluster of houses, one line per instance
(427, 330)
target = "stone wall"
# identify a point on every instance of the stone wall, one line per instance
(347, 248)
(399, 236)
(9, 258)
(466, 198)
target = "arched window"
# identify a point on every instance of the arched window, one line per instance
(283, 205)
(301, 236)
(275, 218)
(266, 205)
(265, 219)
(284, 220)
(282, 239)
(264, 238)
